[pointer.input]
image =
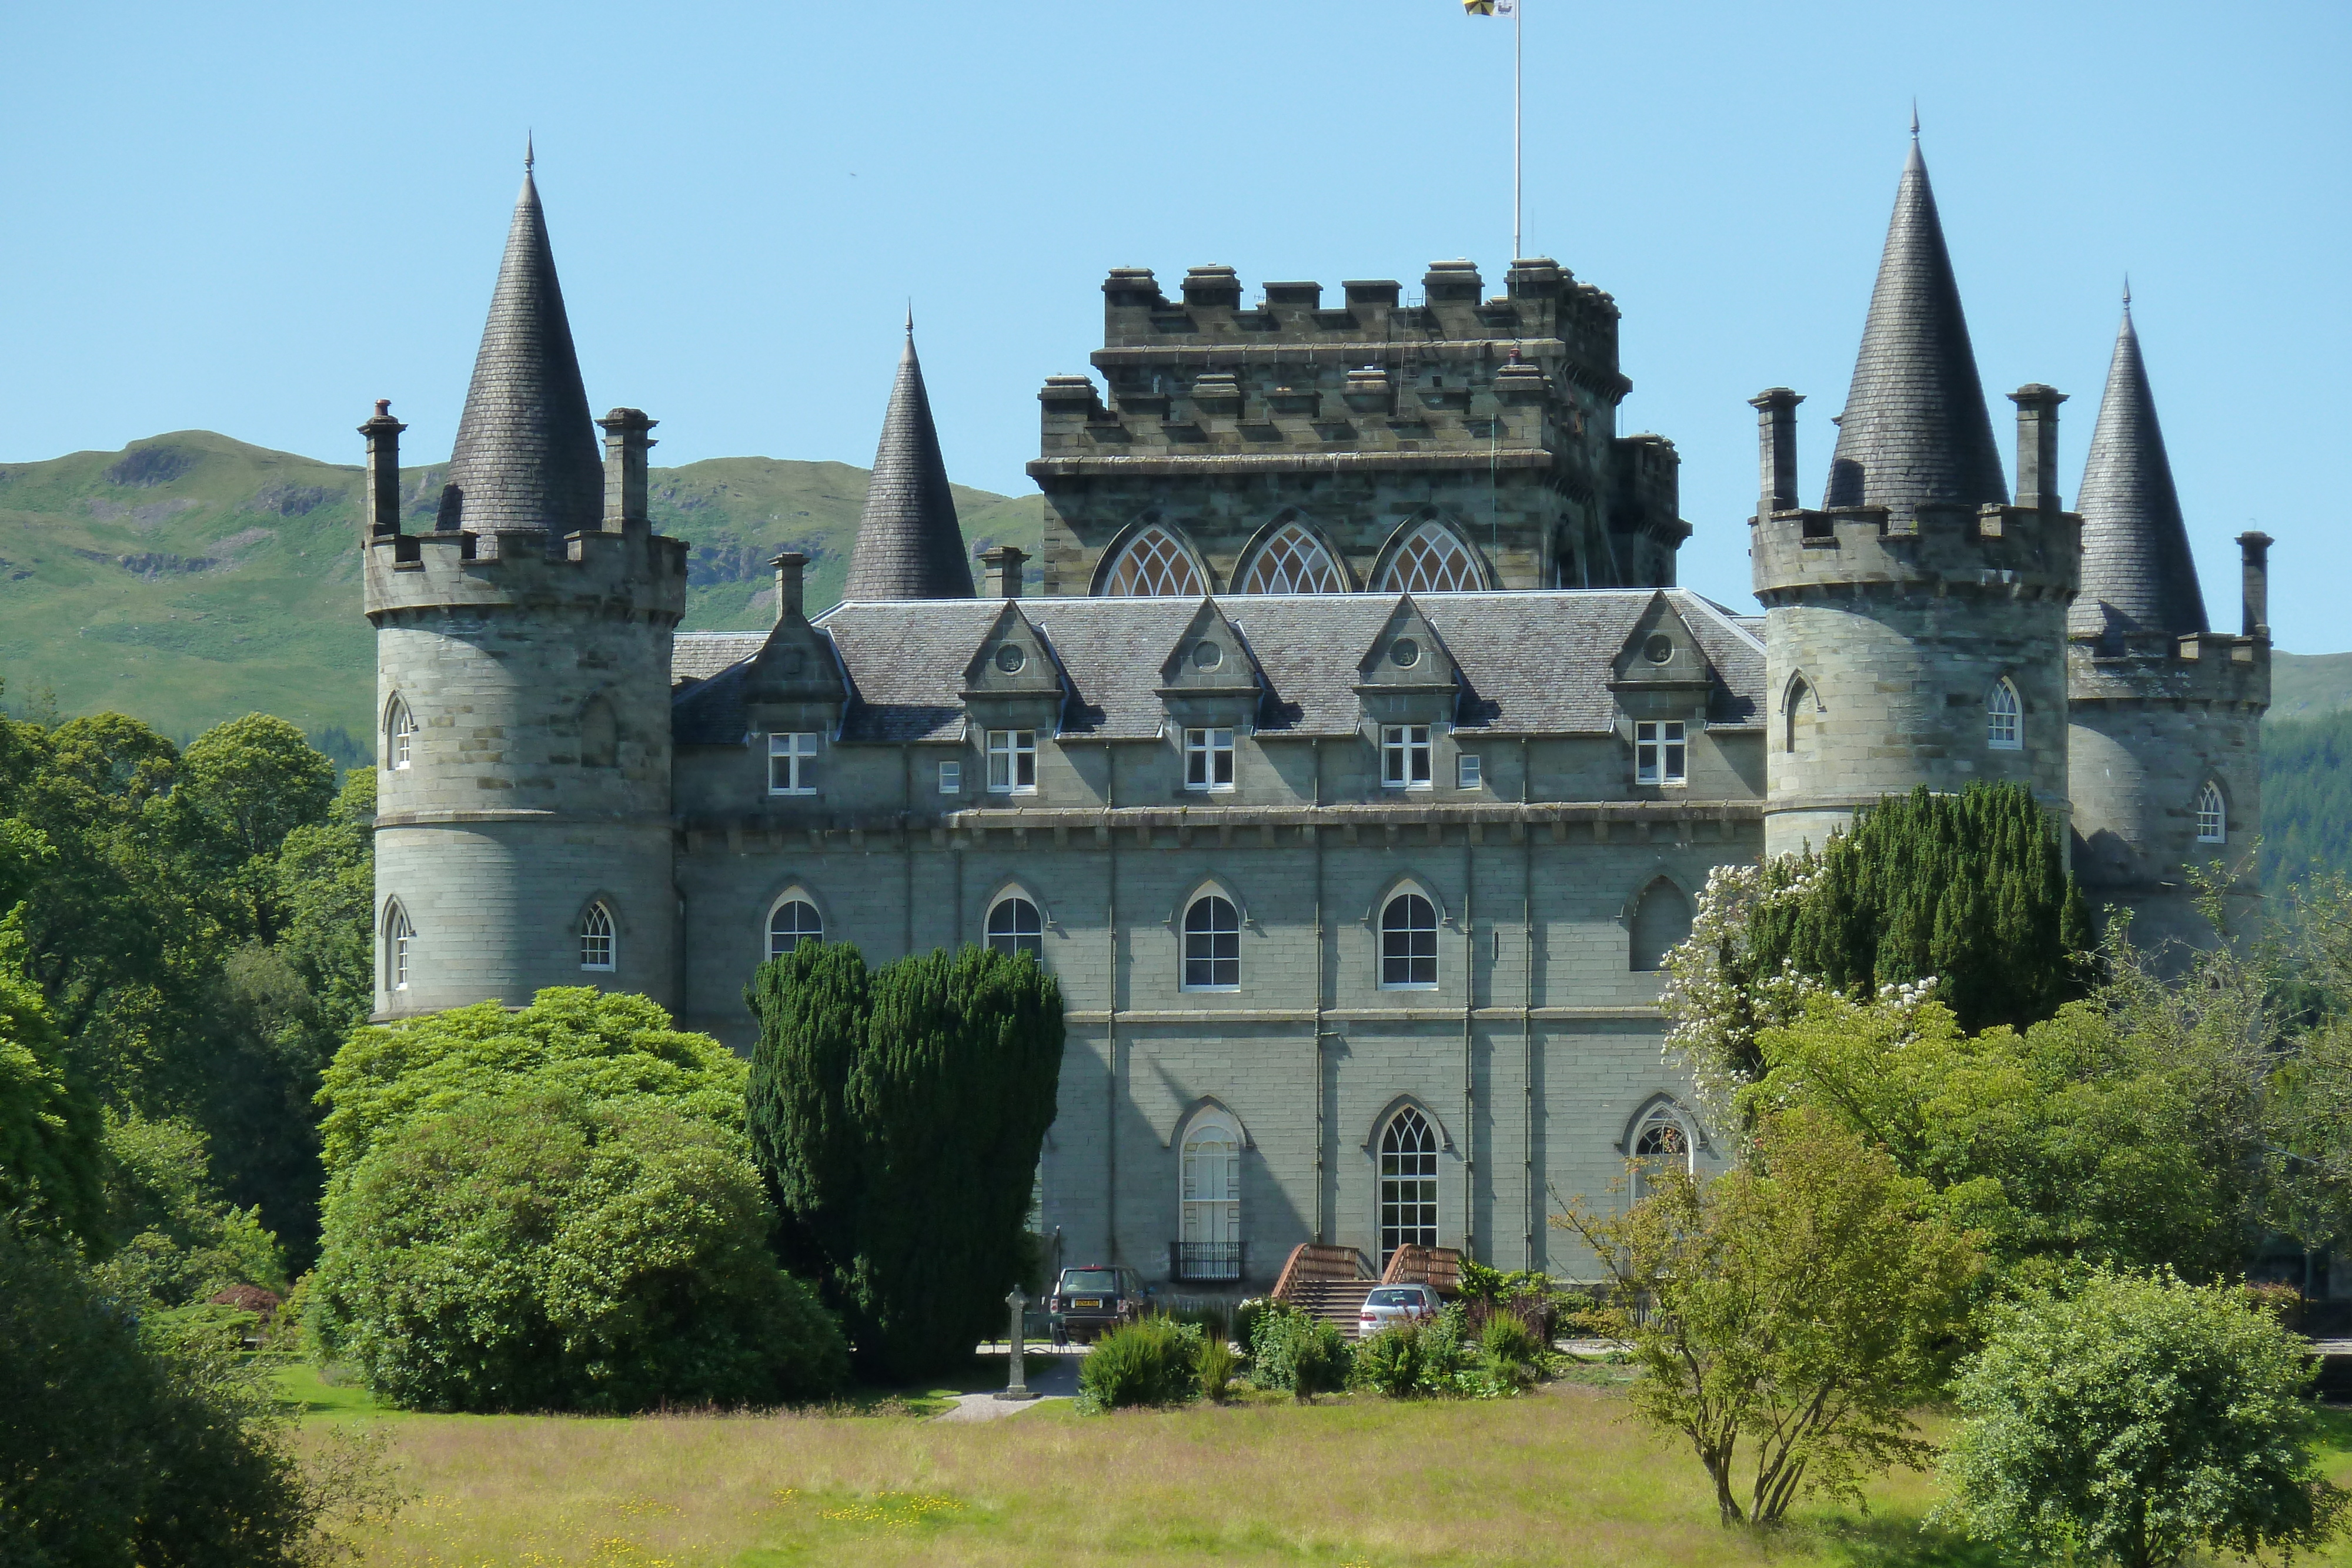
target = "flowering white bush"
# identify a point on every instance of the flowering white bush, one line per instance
(1716, 1000)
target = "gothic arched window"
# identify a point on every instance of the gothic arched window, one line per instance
(1153, 565)
(793, 921)
(399, 734)
(1662, 1142)
(1433, 559)
(1408, 1183)
(1408, 944)
(2212, 816)
(1209, 1228)
(1661, 921)
(1015, 927)
(399, 940)
(1213, 944)
(1293, 560)
(597, 937)
(1799, 736)
(2004, 722)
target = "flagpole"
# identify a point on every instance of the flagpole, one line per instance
(1518, 38)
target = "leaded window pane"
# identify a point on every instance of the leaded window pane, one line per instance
(1434, 559)
(1409, 942)
(1153, 566)
(1213, 944)
(794, 922)
(1015, 927)
(1293, 561)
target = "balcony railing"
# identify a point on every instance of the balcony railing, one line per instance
(1204, 1262)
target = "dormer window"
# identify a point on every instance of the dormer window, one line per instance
(1404, 756)
(1660, 755)
(1209, 757)
(1012, 762)
(791, 764)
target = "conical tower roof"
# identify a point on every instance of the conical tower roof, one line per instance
(526, 454)
(908, 546)
(1915, 430)
(2139, 577)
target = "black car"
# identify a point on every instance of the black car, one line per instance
(1088, 1300)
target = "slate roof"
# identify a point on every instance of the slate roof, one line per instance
(1535, 662)
(2138, 575)
(526, 454)
(698, 655)
(1915, 428)
(908, 546)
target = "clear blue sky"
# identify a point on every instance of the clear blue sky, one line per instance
(257, 219)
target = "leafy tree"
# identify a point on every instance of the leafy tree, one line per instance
(2306, 800)
(546, 1251)
(171, 1238)
(898, 1116)
(2072, 1145)
(1802, 1303)
(50, 1160)
(248, 784)
(118, 1452)
(2135, 1422)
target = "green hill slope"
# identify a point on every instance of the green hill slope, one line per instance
(190, 578)
(2305, 686)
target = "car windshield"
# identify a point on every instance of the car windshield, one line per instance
(1393, 1298)
(1103, 1279)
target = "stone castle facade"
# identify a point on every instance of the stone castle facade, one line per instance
(1359, 761)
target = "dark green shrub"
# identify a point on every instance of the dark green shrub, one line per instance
(897, 1115)
(1508, 1355)
(1389, 1362)
(1154, 1362)
(546, 1252)
(1298, 1352)
(1446, 1349)
(1217, 1365)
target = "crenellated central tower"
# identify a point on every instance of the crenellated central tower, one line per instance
(1915, 626)
(522, 674)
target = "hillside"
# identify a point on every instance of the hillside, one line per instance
(2306, 685)
(190, 578)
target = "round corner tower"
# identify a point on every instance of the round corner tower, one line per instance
(1916, 624)
(2165, 738)
(522, 682)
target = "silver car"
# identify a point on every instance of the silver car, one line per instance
(1395, 1304)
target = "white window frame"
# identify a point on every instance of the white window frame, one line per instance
(1665, 1126)
(1209, 760)
(1409, 958)
(2004, 717)
(1407, 1183)
(1009, 903)
(1468, 772)
(796, 752)
(1211, 934)
(402, 735)
(1661, 752)
(1407, 756)
(1209, 1190)
(2212, 815)
(788, 899)
(599, 939)
(1013, 762)
(399, 938)
(951, 776)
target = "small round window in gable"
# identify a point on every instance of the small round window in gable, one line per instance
(1404, 653)
(1010, 658)
(1659, 648)
(1207, 655)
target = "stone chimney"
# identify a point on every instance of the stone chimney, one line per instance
(379, 506)
(2254, 552)
(625, 445)
(1776, 431)
(790, 594)
(2037, 446)
(1003, 565)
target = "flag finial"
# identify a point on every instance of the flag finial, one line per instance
(1915, 120)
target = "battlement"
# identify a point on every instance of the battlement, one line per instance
(2015, 553)
(2206, 667)
(633, 573)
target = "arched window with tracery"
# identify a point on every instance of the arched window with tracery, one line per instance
(1209, 1229)
(399, 945)
(399, 736)
(1408, 1183)
(1153, 565)
(1408, 944)
(1433, 559)
(1014, 926)
(596, 940)
(1661, 1142)
(1661, 922)
(1292, 560)
(2004, 717)
(2212, 816)
(793, 921)
(1213, 944)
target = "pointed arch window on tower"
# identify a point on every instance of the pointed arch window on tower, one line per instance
(597, 938)
(1408, 1195)
(2004, 719)
(1152, 565)
(1015, 927)
(1408, 944)
(1213, 944)
(1433, 559)
(399, 943)
(1292, 561)
(399, 736)
(1661, 922)
(2212, 816)
(793, 921)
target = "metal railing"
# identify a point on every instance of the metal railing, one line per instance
(1204, 1261)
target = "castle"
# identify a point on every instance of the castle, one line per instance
(1361, 761)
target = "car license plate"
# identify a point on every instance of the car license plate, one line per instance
(1088, 1303)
